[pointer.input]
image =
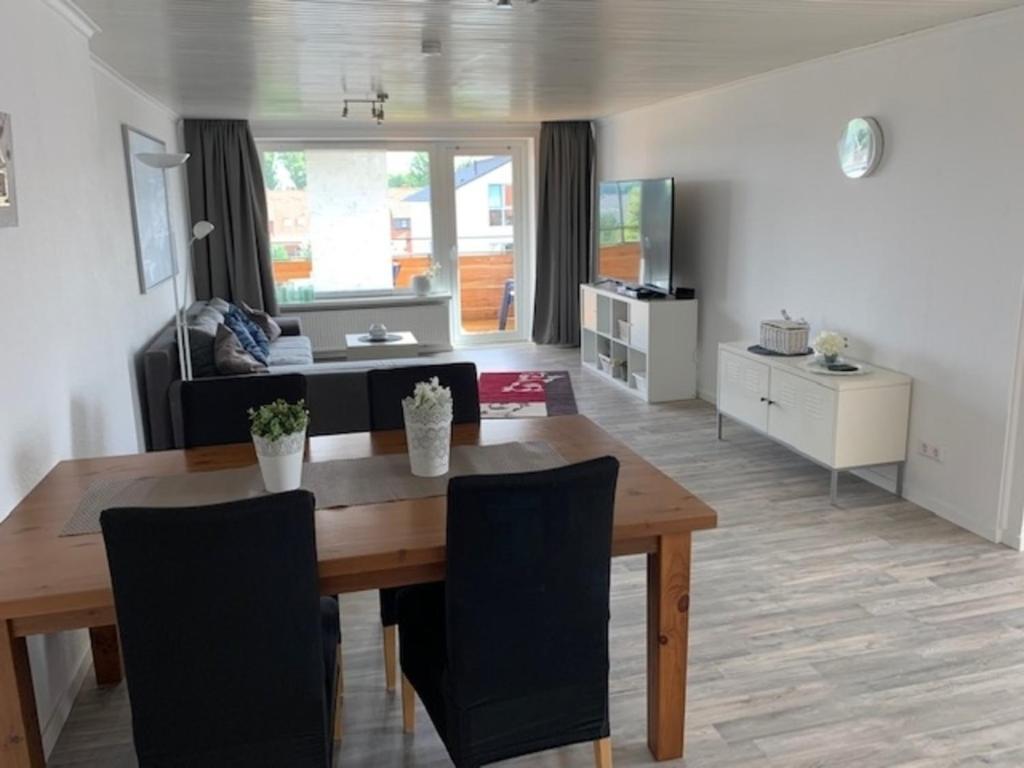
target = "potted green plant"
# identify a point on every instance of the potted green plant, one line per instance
(279, 435)
(428, 428)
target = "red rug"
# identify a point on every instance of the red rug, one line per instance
(526, 394)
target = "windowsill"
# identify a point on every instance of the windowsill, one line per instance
(358, 302)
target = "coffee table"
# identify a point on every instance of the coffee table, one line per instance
(399, 344)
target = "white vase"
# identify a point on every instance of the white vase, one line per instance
(428, 435)
(281, 461)
(421, 285)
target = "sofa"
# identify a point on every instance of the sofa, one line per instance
(336, 395)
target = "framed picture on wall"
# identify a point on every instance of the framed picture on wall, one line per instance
(8, 198)
(147, 188)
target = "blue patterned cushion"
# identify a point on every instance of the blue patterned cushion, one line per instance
(238, 326)
(254, 330)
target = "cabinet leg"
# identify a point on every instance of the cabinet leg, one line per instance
(719, 425)
(899, 478)
(833, 491)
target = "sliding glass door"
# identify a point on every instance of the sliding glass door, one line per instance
(491, 279)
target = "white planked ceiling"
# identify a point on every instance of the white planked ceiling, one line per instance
(555, 59)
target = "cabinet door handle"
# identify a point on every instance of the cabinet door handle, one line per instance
(766, 400)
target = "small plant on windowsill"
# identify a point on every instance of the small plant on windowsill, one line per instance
(421, 283)
(279, 436)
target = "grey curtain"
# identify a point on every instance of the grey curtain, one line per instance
(565, 201)
(225, 186)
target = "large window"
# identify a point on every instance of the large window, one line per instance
(350, 220)
(346, 221)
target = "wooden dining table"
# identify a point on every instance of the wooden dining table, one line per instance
(51, 583)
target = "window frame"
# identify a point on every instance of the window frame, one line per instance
(433, 150)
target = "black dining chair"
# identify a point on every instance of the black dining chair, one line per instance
(387, 387)
(509, 654)
(216, 411)
(231, 656)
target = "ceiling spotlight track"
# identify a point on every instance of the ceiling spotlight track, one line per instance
(376, 106)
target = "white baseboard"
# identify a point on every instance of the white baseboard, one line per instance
(935, 506)
(55, 724)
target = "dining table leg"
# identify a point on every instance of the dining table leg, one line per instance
(21, 743)
(106, 655)
(668, 610)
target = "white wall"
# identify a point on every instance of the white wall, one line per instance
(70, 294)
(920, 264)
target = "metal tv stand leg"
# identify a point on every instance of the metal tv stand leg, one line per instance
(719, 425)
(900, 467)
(833, 491)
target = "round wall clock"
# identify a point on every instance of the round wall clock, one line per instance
(860, 147)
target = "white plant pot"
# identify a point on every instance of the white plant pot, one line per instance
(281, 461)
(428, 435)
(421, 285)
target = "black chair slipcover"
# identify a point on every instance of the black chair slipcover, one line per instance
(216, 411)
(229, 651)
(509, 654)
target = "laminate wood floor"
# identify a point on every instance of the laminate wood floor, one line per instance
(875, 634)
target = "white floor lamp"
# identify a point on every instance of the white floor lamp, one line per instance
(200, 231)
(165, 161)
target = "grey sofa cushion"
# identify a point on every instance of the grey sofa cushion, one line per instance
(290, 350)
(266, 323)
(230, 357)
(219, 304)
(202, 337)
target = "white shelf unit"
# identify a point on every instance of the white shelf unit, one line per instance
(655, 339)
(840, 422)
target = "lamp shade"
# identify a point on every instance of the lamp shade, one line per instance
(162, 159)
(202, 229)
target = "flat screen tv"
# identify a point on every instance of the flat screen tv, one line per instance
(635, 233)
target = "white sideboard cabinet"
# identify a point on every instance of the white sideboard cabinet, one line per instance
(840, 422)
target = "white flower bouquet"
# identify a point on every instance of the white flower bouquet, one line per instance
(829, 344)
(433, 270)
(428, 428)
(429, 396)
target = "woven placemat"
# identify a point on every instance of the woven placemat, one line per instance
(338, 483)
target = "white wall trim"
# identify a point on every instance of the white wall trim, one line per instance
(1011, 509)
(983, 19)
(62, 709)
(102, 66)
(74, 16)
(877, 477)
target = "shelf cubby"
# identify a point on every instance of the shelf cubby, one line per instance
(655, 339)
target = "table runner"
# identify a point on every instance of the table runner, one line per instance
(336, 483)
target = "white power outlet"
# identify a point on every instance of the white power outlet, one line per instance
(930, 450)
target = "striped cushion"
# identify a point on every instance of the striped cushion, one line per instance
(235, 320)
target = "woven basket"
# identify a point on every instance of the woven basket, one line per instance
(785, 336)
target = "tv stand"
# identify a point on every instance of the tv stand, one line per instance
(647, 347)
